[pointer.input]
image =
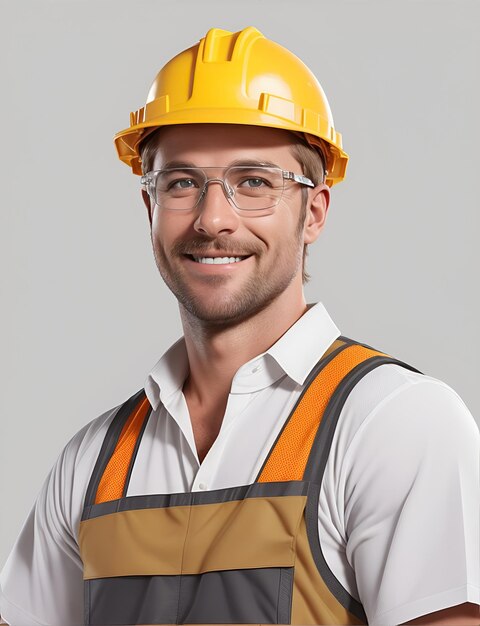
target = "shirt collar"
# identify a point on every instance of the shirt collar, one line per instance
(168, 375)
(302, 346)
(294, 355)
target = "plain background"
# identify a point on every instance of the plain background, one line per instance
(85, 315)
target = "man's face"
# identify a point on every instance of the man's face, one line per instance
(271, 246)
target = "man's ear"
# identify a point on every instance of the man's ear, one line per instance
(146, 200)
(317, 208)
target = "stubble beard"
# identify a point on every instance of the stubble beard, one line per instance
(225, 308)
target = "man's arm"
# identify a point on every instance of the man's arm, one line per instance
(412, 487)
(42, 580)
(466, 614)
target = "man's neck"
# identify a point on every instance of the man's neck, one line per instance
(216, 353)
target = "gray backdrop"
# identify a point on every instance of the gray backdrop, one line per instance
(85, 314)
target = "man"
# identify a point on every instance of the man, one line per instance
(272, 470)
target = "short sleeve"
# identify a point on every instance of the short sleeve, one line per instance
(42, 580)
(412, 504)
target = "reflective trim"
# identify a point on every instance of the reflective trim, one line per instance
(135, 451)
(109, 443)
(193, 498)
(289, 457)
(337, 346)
(112, 483)
(229, 597)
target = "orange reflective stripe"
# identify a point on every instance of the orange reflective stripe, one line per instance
(113, 480)
(289, 457)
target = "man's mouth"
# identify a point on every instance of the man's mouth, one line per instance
(217, 260)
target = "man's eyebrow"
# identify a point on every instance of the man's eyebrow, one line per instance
(236, 162)
(177, 165)
(253, 162)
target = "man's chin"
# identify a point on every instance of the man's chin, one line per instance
(226, 303)
(220, 312)
(218, 315)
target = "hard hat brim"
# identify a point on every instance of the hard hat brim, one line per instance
(126, 141)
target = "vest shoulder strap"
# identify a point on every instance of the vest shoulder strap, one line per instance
(326, 387)
(111, 474)
(325, 391)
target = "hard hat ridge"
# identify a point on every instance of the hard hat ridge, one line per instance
(222, 45)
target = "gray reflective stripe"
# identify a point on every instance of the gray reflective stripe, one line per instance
(316, 467)
(238, 597)
(109, 443)
(255, 490)
(285, 594)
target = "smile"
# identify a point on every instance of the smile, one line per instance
(220, 260)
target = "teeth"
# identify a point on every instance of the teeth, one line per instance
(219, 260)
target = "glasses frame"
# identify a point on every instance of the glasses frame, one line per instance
(148, 182)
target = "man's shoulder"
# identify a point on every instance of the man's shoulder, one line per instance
(65, 486)
(405, 399)
(383, 381)
(390, 383)
(84, 446)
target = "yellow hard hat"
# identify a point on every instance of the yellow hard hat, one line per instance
(237, 78)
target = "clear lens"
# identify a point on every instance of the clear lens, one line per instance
(255, 188)
(250, 188)
(179, 189)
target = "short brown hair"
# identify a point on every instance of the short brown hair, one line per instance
(312, 162)
(311, 159)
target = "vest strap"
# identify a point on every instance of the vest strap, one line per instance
(288, 458)
(113, 468)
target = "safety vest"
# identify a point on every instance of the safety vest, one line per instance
(242, 555)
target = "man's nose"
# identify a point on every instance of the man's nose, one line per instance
(216, 214)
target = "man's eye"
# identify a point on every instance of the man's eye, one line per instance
(182, 183)
(253, 182)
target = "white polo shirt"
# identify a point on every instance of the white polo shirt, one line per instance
(399, 504)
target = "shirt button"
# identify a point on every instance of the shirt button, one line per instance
(202, 486)
(255, 369)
